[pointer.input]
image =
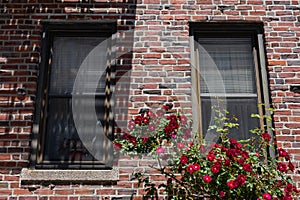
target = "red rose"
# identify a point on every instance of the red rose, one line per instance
(232, 153)
(241, 161)
(138, 120)
(247, 167)
(282, 167)
(210, 156)
(145, 139)
(168, 129)
(183, 120)
(167, 107)
(207, 178)
(183, 160)
(132, 140)
(126, 136)
(241, 179)
(146, 120)
(245, 154)
(287, 197)
(266, 137)
(266, 196)
(159, 150)
(283, 153)
(222, 194)
(239, 145)
(289, 188)
(232, 141)
(215, 168)
(196, 167)
(227, 163)
(224, 149)
(118, 146)
(190, 169)
(232, 184)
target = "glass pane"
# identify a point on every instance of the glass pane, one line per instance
(71, 53)
(227, 76)
(226, 65)
(242, 108)
(62, 142)
(66, 141)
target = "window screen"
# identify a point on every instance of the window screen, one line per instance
(75, 95)
(62, 140)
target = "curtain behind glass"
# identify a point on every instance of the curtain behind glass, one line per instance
(62, 142)
(234, 61)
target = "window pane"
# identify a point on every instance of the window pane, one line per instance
(71, 53)
(242, 108)
(62, 142)
(226, 65)
(227, 76)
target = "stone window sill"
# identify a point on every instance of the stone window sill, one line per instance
(69, 176)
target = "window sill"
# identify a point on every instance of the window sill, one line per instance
(70, 176)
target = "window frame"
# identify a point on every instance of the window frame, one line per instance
(255, 29)
(50, 29)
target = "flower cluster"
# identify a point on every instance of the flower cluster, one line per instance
(149, 130)
(228, 169)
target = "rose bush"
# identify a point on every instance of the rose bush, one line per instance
(195, 169)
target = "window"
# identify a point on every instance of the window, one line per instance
(74, 121)
(228, 69)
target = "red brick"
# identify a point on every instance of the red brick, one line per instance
(5, 156)
(5, 192)
(167, 62)
(63, 192)
(149, 62)
(58, 198)
(158, 98)
(152, 55)
(44, 192)
(152, 80)
(151, 1)
(22, 192)
(84, 191)
(292, 81)
(277, 62)
(158, 49)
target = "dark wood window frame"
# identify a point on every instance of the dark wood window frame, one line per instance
(215, 29)
(50, 29)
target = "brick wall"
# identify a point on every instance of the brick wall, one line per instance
(158, 67)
